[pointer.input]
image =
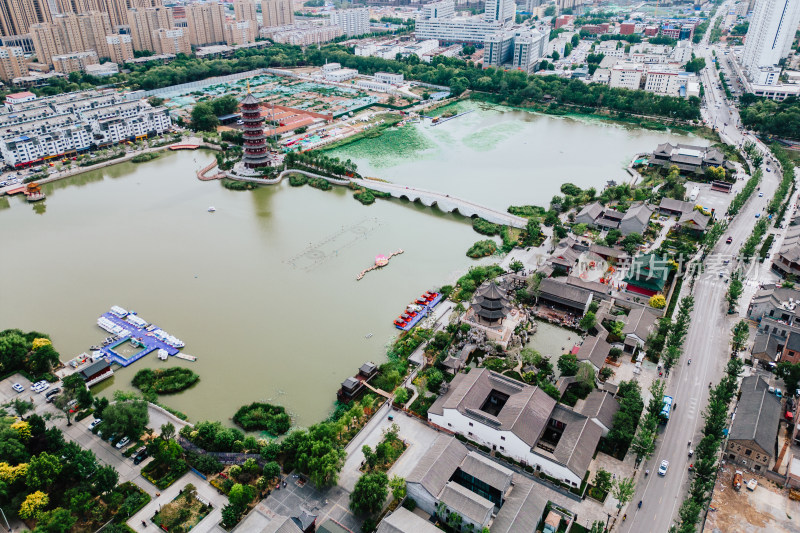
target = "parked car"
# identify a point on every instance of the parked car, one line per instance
(122, 443)
(52, 394)
(140, 456)
(37, 385)
(43, 387)
(663, 467)
(17, 387)
(778, 393)
(94, 423)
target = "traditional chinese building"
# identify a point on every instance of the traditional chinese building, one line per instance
(255, 142)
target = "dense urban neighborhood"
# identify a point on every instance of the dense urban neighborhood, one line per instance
(629, 169)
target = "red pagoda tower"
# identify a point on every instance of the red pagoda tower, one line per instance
(255, 142)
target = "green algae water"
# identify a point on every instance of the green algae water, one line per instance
(501, 156)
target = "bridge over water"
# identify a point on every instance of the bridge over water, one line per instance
(444, 202)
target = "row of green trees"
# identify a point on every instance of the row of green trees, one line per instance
(741, 198)
(787, 179)
(707, 450)
(644, 444)
(677, 332)
(319, 162)
(626, 420)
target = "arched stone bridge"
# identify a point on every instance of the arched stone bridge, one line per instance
(444, 202)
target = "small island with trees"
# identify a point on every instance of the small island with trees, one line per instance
(164, 381)
(259, 416)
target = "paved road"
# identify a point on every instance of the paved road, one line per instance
(707, 344)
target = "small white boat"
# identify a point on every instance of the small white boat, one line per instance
(185, 356)
(212, 209)
(163, 354)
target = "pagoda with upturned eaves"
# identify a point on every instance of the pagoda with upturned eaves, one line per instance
(255, 142)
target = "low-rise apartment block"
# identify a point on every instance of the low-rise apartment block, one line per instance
(301, 34)
(36, 130)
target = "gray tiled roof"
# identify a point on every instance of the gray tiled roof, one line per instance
(488, 471)
(466, 503)
(671, 204)
(280, 524)
(765, 344)
(793, 342)
(600, 405)
(606, 251)
(576, 447)
(435, 468)
(757, 415)
(594, 349)
(525, 413)
(592, 211)
(700, 220)
(404, 521)
(560, 290)
(639, 323)
(641, 213)
(523, 508)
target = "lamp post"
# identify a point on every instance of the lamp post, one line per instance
(6, 520)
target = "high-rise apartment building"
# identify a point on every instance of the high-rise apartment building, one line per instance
(120, 48)
(48, 41)
(94, 27)
(172, 41)
(354, 22)
(144, 22)
(245, 10)
(769, 39)
(205, 23)
(239, 32)
(17, 16)
(12, 63)
(277, 13)
(502, 11)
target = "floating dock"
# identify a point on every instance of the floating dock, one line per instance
(132, 329)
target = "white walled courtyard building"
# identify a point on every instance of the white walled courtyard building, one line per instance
(520, 421)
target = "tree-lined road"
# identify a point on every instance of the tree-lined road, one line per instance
(707, 341)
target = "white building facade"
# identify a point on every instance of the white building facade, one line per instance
(353, 22)
(769, 39)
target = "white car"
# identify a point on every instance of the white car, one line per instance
(662, 469)
(94, 423)
(124, 442)
(44, 387)
(17, 387)
(37, 384)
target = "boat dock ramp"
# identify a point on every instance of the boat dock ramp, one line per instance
(443, 120)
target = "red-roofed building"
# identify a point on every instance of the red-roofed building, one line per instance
(19, 98)
(563, 20)
(627, 28)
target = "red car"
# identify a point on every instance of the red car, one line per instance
(729, 240)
